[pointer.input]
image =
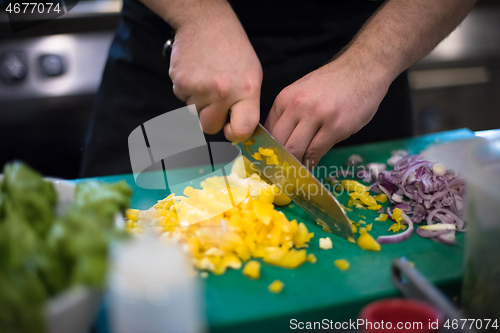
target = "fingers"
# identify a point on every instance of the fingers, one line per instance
(244, 118)
(301, 137)
(284, 127)
(213, 117)
(322, 142)
(273, 117)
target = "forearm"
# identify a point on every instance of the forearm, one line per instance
(402, 32)
(179, 13)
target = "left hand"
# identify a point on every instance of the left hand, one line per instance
(326, 106)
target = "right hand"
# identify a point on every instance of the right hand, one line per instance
(214, 66)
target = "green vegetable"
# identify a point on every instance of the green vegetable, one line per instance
(41, 254)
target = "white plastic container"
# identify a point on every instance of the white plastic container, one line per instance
(152, 289)
(478, 160)
(481, 284)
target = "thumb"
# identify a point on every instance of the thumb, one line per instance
(243, 120)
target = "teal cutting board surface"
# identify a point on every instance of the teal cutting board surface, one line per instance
(314, 292)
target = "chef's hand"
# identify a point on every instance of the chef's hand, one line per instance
(324, 107)
(214, 66)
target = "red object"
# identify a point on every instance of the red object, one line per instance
(400, 315)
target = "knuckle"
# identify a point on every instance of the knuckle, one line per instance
(221, 88)
(183, 82)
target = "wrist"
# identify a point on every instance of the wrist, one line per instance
(357, 59)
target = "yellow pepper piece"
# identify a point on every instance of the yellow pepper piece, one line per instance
(267, 193)
(367, 242)
(351, 240)
(369, 227)
(249, 142)
(382, 197)
(362, 230)
(382, 217)
(274, 256)
(375, 207)
(292, 259)
(281, 199)
(286, 166)
(276, 287)
(342, 264)
(252, 269)
(396, 215)
(346, 209)
(132, 214)
(312, 258)
(394, 227)
(354, 228)
(266, 151)
(258, 156)
(368, 200)
(263, 211)
(354, 186)
(272, 160)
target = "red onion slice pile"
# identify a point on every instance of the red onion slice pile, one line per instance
(424, 194)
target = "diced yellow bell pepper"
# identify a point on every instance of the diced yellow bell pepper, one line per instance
(354, 228)
(276, 287)
(132, 214)
(292, 259)
(367, 242)
(272, 160)
(267, 194)
(252, 269)
(382, 217)
(362, 230)
(263, 211)
(342, 264)
(375, 207)
(354, 186)
(266, 151)
(367, 199)
(346, 208)
(274, 255)
(382, 197)
(312, 258)
(281, 199)
(249, 142)
(369, 227)
(258, 156)
(396, 215)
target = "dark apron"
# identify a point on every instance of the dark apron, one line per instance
(291, 39)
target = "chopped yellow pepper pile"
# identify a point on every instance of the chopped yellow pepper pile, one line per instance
(230, 235)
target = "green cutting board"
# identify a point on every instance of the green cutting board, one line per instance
(314, 292)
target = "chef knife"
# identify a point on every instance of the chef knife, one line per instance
(298, 183)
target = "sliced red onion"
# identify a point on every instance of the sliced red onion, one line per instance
(447, 238)
(397, 155)
(404, 207)
(397, 198)
(434, 230)
(436, 195)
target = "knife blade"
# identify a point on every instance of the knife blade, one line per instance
(298, 183)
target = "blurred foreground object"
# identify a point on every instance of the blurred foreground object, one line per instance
(152, 289)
